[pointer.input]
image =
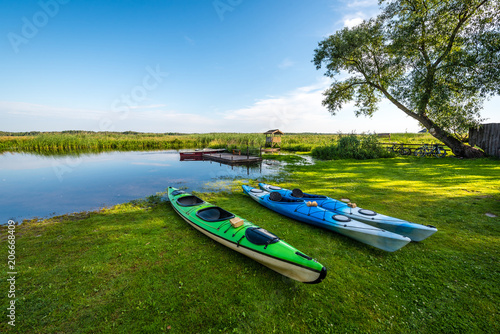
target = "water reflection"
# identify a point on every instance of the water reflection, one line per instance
(42, 186)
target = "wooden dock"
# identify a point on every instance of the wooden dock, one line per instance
(232, 159)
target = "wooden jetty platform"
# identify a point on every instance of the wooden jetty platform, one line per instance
(232, 159)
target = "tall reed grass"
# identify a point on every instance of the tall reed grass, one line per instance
(86, 141)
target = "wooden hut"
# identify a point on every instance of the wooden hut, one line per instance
(487, 137)
(273, 138)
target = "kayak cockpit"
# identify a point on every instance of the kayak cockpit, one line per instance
(190, 200)
(214, 214)
(277, 197)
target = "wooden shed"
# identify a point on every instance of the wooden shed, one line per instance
(273, 138)
(487, 137)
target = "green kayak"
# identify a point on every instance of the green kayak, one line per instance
(244, 237)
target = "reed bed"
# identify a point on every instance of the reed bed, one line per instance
(86, 141)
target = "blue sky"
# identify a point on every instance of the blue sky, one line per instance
(177, 66)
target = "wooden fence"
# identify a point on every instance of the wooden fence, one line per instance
(487, 137)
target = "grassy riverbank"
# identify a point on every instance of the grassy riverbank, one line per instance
(84, 141)
(138, 267)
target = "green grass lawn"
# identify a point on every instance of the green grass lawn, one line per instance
(138, 267)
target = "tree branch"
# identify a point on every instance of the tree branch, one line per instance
(461, 22)
(394, 101)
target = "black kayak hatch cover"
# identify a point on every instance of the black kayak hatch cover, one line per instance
(297, 193)
(275, 196)
(214, 214)
(259, 236)
(189, 201)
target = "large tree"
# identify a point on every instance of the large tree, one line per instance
(436, 60)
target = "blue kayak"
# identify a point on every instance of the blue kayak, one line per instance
(415, 232)
(317, 216)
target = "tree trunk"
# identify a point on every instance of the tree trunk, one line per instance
(457, 147)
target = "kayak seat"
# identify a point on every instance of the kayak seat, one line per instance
(214, 214)
(189, 201)
(276, 197)
(259, 236)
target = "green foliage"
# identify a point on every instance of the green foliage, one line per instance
(437, 61)
(353, 147)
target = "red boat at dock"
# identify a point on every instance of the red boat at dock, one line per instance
(198, 154)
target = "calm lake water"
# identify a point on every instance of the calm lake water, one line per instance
(39, 186)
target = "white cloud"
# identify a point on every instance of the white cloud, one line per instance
(354, 12)
(30, 109)
(152, 106)
(21, 116)
(350, 20)
(349, 23)
(282, 111)
(301, 110)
